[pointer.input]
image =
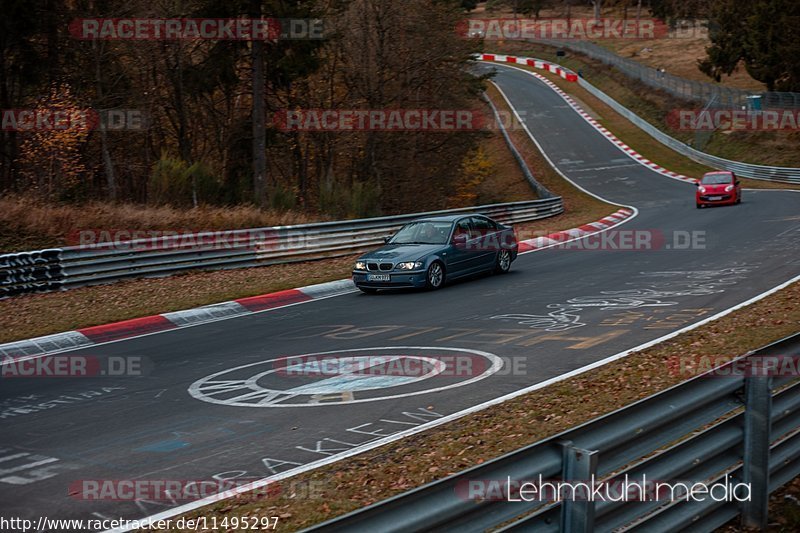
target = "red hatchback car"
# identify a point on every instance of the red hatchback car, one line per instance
(718, 188)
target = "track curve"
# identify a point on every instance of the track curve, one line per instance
(558, 310)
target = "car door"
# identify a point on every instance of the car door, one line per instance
(486, 241)
(461, 256)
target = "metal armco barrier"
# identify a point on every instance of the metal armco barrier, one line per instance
(541, 190)
(711, 429)
(75, 266)
(746, 170)
(41, 270)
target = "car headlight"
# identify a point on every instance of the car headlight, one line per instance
(361, 265)
(411, 265)
(702, 189)
(729, 188)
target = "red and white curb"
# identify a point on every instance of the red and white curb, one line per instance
(561, 237)
(137, 327)
(552, 67)
(531, 62)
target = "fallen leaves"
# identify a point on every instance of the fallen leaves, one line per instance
(42, 314)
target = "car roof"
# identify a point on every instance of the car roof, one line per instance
(716, 172)
(446, 218)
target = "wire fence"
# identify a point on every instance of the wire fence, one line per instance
(683, 88)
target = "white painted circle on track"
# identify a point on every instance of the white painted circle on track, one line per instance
(229, 388)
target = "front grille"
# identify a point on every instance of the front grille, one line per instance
(386, 266)
(385, 284)
(720, 196)
(372, 266)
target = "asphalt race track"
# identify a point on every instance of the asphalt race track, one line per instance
(558, 310)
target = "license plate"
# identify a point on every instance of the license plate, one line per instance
(378, 277)
(715, 198)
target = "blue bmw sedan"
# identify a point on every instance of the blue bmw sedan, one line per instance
(427, 252)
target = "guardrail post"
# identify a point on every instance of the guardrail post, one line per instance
(757, 429)
(579, 466)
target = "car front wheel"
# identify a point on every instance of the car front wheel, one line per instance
(503, 262)
(435, 276)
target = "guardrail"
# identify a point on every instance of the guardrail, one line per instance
(746, 170)
(541, 190)
(744, 427)
(75, 266)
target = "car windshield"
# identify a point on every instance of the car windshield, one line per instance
(716, 179)
(423, 232)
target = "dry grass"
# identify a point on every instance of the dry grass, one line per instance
(679, 57)
(42, 314)
(506, 183)
(28, 223)
(424, 457)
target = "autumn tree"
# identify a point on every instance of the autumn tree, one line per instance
(50, 155)
(23, 68)
(204, 102)
(761, 34)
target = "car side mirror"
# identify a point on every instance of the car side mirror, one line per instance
(387, 239)
(460, 239)
(696, 183)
